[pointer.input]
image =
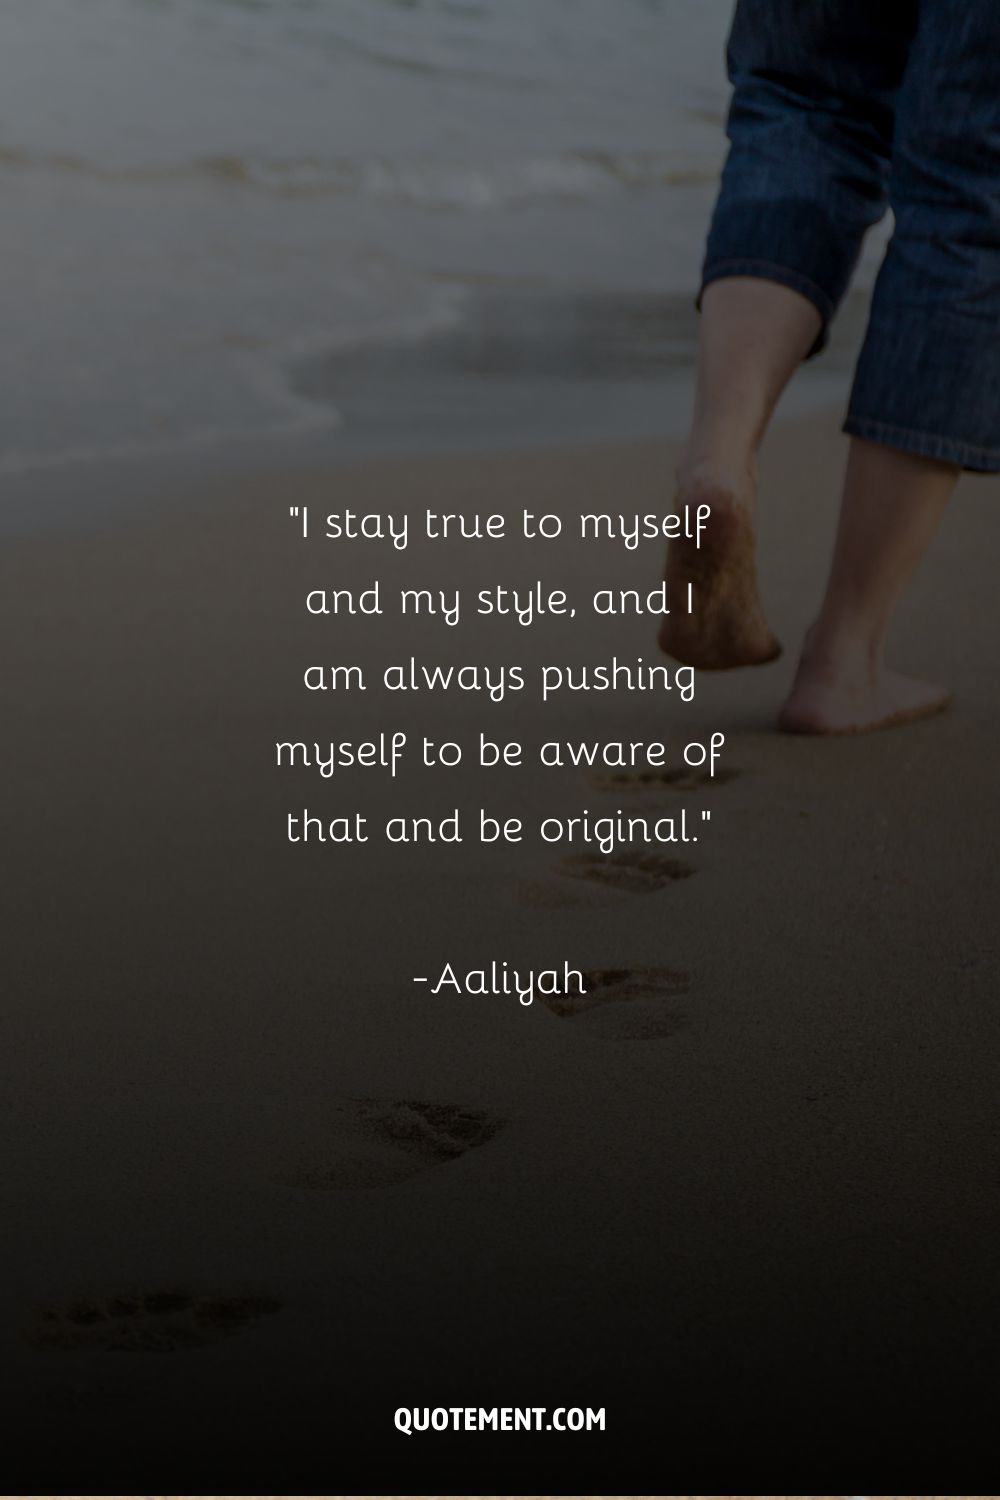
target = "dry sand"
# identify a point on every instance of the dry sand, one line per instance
(749, 1200)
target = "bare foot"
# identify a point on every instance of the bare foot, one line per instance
(844, 698)
(727, 627)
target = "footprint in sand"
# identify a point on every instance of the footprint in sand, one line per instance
(676, 778)
(628, 1004)
(151, 1322)
(631, 872)
(385, 1141)
(635, 871)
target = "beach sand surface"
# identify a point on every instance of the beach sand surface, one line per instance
(264, 1189)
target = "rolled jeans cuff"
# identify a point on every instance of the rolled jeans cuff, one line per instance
(947, 450)
(789, 241)
(927, 383)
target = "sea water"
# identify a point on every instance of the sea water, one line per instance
(358, 224)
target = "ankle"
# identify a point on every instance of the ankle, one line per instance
(722, 475)
(835, 651)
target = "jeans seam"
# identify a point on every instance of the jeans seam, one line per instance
(931, 444)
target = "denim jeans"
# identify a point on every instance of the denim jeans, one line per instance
(842, 108)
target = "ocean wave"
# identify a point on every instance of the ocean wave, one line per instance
(302, 415)
(271, 376)
(429, 182)
(195, 439)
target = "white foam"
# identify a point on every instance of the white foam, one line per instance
(337, 169)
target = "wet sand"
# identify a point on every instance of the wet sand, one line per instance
(264, 1190)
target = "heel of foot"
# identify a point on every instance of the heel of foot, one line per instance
(832, 708)
(720, 651)
(718, 571)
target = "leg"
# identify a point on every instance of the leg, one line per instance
(809, 125)
(929, 371)
(754, 334)
(892, 504)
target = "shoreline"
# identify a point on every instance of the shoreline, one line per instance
(528, 370)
